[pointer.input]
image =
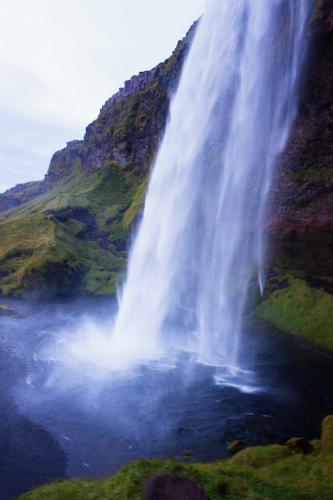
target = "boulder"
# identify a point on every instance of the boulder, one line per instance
(236, 446)
(299, 445)
(172, 487)
(327, 433)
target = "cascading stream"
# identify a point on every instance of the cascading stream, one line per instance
(201, 240)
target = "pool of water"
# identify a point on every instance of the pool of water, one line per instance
(58, 421)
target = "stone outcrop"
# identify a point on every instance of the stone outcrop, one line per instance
(302, 216)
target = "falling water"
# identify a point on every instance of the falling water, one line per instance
(201, 240)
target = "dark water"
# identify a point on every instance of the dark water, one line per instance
(51, 428)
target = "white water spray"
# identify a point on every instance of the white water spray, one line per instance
(201, 239)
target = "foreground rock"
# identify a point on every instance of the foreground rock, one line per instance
(171, 486)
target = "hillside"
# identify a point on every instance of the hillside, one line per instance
(69, 233)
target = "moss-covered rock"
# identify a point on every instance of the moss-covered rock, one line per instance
(300, 445)
(327, 434)
(259, 456)
(299, 292)
(300, 310)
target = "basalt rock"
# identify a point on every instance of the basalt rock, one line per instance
(300, 227)
(171, 486)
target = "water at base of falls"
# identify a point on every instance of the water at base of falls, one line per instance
(201, 241)
(90, 421)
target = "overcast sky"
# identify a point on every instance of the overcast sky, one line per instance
(60, 60)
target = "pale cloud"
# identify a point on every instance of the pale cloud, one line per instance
(61, 60)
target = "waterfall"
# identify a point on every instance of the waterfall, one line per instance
(201, 240)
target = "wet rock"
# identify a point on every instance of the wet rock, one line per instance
(327, 433)
(236, 446)
(172, 487)
(299, 445)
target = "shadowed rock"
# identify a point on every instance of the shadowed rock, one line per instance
(172, 487)
(300, 445)
(236, 446)
(327, 433)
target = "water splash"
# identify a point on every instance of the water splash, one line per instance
(201, 242)
(202, 238)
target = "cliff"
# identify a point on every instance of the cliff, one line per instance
(69, 233)
(298, 297)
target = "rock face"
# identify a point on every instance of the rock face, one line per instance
(303, 197)
(20, 194)
(327, 434)
(299, 294)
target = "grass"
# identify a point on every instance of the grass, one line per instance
(73, 238)
(300, 310)
(264, 472)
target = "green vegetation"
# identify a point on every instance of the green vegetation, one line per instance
(73, 238)
(135, 206)
(300, 310)
(312, 174)
(263, 472)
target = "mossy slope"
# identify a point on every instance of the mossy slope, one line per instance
(73, 238)
(69, 232)
(300, 310)
(265, 472)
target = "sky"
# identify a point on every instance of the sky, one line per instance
(61, 60)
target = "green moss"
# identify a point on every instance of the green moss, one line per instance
(300, 310)
(267, 472)
(74, 238)
(312, 174)
(136, 205)
(258, 456)
(327, 434)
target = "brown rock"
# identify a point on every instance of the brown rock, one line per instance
(299, 445)
(236, 446)
(327, 433)
(172, 487)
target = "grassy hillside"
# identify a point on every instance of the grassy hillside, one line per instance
(73, 238)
